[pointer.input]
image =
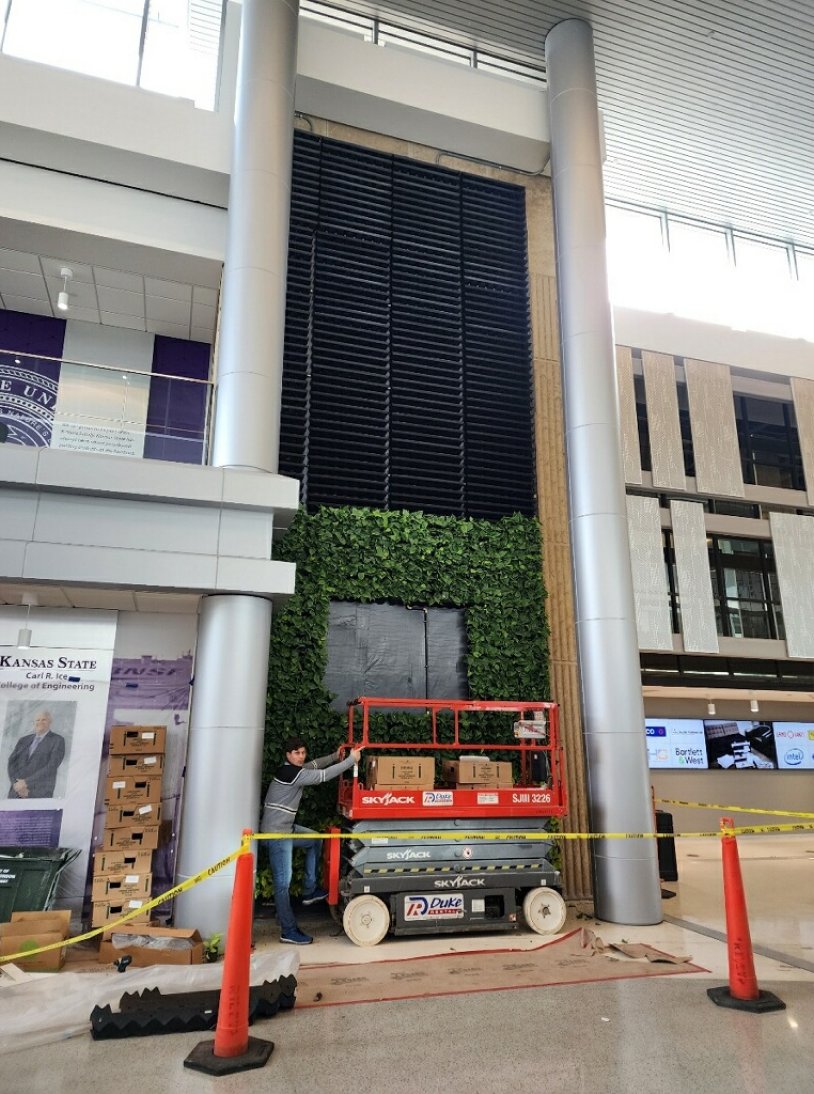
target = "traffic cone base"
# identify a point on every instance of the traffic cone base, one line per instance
(233, 1049)
(766, 1001)
(203, 1058)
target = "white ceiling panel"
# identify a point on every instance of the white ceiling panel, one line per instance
(27, 304)
(23, 284)
(57, 596)
(173, 290)
(120, 301)
(115, 279)
(172, 330)
(110, 599)
(48, 596)
(131, 322)
(19, 260)
(204, 296)
(167, 311)
(202, 316)
(98, 294)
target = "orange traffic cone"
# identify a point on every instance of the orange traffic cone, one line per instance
(233, 1049)
(742, 992)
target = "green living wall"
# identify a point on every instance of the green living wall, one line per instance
(491, 569)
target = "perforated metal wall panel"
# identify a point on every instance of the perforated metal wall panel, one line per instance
(407, 374)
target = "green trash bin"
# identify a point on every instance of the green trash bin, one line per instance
(28, 877)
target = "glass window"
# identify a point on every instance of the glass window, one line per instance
(763, 297)
(769, 442)
(636, 256)
(744, 588)
(169, 46)
(181, 50)
(641, 422)
(686, 429)
(69, 34)
(700, 272)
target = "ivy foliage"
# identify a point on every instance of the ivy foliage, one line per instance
(491, 569)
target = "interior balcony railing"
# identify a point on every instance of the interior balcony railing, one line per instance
(48, 402)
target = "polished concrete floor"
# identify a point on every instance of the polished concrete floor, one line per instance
(649, 1035)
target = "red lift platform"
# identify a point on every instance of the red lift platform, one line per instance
(538, 748)
(450, 858)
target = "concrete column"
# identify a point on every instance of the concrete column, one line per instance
(626, 881)
(225, 753)
(222, 784)
(252, 324)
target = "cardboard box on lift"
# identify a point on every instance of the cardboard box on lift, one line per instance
(152, 946)
(406, 772)
(474, 773)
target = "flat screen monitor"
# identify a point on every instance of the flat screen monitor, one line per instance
(794, 745)
(734, 745)
(676, 743)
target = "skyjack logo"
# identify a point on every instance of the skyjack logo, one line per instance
(406, 856)
(460, 883)
(388, 799)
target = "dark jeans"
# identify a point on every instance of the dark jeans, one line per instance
(280, 853)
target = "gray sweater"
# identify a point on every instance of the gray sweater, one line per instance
(284, 793)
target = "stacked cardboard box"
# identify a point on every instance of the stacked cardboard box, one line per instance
(477, 773)
(122, 868)
(405, 772)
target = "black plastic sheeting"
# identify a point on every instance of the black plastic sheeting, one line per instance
(388, 650)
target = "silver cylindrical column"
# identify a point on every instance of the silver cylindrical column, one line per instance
(625, 871)
(252, 324)
(225, 753)
(222, 784)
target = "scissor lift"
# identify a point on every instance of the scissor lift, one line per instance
(450, 859)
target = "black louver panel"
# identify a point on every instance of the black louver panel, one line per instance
(407, 376)
(426, 429)
(499, 472)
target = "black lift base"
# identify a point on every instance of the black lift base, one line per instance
(766, 1001)
(203, 1058)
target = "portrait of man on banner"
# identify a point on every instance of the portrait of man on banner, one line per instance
(37, 738)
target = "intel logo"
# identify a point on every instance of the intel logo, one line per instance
(794, 757)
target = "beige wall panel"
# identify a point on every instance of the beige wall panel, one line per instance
(802, 392)
(698, 627)
(557, 568)
(631, 455)
(650, 588)
(793, 541)
(714, 434)
(666, 450)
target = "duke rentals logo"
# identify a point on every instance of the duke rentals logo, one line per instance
(433, 907)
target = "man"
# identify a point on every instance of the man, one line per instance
(280, 815)
(35, 759)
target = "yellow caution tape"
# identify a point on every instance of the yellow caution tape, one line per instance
(471, 837)
(736, 808)
(170, 893)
